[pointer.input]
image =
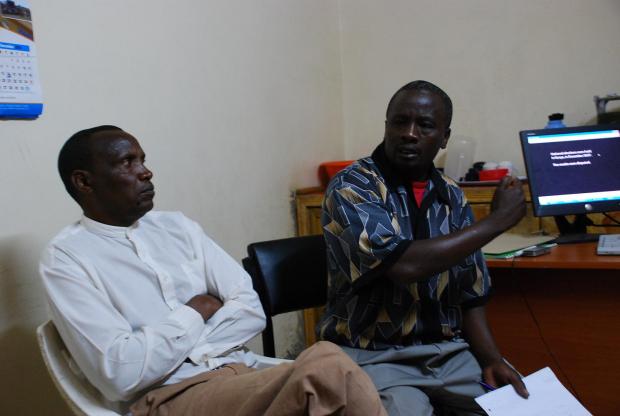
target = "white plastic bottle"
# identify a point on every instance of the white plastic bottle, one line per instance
(460, 156)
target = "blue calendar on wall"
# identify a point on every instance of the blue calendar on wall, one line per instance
(20, 90)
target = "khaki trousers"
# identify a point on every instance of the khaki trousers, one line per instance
(322, 381)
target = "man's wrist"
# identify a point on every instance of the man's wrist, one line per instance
(490, 360)
(498, 221)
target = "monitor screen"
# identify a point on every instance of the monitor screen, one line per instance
(573, 170)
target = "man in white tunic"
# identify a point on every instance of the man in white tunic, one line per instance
(156, 314)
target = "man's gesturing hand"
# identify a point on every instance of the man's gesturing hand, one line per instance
(205, 305)
(508, 205)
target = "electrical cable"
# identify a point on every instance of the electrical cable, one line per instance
(540, 332)
(612, 218)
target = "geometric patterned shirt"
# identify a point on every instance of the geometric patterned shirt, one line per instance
(369, 218)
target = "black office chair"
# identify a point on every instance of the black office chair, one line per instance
(288, 275)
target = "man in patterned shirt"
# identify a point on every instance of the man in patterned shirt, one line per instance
(407, 280)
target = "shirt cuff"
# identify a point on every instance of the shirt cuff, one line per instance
(189, 319)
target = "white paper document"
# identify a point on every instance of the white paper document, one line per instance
(508, 242)
(548, 397)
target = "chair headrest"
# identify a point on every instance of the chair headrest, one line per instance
(293, 272)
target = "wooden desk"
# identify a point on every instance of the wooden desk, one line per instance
(565, 256)
(562, 310)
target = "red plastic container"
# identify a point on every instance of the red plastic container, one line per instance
(492, 174)
(327, 170)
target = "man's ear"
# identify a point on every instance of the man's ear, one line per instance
(446, 137)
(81, 180)
(385, 126)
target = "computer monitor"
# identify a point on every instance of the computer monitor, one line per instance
(573, 170)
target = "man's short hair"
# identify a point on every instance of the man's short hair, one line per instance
(77, 153)
(421, 85)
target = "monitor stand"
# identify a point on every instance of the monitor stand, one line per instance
(575, 232)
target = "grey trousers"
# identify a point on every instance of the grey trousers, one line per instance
(424, 380)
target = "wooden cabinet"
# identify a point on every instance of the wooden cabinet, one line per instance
(308, 203)
(560, 311)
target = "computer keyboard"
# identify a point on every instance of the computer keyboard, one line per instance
(608, 244)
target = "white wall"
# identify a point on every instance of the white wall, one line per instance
(506, 64)
(235, 102)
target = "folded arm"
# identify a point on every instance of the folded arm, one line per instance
(241, 315)
(118, 359)
(122, 357)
